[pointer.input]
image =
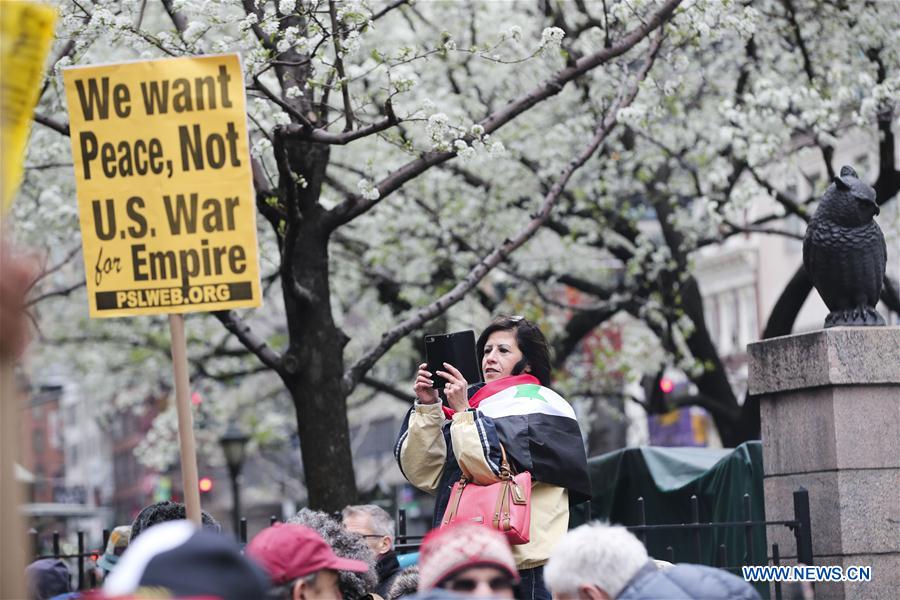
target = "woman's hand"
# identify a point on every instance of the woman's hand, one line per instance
(424, 392)
(455, 389)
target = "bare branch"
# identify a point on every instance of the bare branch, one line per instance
(250, 340)
(352, 208)
(64, 291)
(201, 371)
(388, 8)
(62, 128)
(47, 272)
(801, 44)
(790, 204)
(340, 139)
(735, 228)
(386, 388)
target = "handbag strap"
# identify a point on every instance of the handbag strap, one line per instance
(453, 508)
(506, 470)
(504, 465)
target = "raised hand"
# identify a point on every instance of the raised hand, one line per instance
(455, 388)
(424, 392)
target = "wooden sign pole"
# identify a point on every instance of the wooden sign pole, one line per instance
(189, 478)
(12, 558)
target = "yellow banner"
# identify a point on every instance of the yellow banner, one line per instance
(26, 33)
(165, 190)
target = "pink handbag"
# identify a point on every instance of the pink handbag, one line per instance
(504, 506)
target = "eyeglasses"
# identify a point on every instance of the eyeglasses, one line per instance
(372, 535)
(469, 585)
(515, 318)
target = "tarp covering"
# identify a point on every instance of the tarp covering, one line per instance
(666, 478)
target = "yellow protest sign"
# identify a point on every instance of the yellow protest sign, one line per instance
(26, 33)
(165, 197)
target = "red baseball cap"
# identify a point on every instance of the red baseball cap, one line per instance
(288, 551)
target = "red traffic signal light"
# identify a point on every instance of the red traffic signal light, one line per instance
(206, 484)
(666, 385)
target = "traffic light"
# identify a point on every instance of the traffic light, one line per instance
(666, 385)
(662, 392)
(206, 485)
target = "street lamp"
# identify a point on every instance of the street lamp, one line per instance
(234, 443)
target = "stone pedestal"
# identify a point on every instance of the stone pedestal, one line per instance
(830, 417)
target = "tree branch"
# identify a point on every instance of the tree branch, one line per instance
(47, 272)
(388, 8)
(306, 124)
(64, 291)
(386, 388)
(890, 294)
(339, 67)
(326, 137)
(888, 183)
(178, 19)
(807, 61)
(352, 208)
(250, 340)
(500, 253)
(784, 313)
(790, 204)
(62, 128)
(735, 228)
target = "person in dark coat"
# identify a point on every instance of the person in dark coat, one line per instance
(376, 527)
(604, 562)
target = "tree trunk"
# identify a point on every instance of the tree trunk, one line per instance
(713, 382)
(314, 362)
(315, 366)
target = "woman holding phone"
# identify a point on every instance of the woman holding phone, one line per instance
(515, 407)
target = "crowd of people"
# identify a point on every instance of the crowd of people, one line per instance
(316, 555)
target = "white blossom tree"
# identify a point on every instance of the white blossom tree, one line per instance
(354, 108)
(422, 161)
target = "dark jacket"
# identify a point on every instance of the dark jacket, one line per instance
(388, 568)
(687, 582)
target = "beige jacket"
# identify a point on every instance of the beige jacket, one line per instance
(422, 455)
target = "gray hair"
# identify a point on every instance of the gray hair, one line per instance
(382, 523)
(598, 554)
(346, 545)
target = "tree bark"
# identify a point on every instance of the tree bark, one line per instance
(314, 366)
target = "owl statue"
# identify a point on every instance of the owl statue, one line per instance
(844, 252)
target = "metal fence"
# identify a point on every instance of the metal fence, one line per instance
(405, 543)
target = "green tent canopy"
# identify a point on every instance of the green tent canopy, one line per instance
(666, 478)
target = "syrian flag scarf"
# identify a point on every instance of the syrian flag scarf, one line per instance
(538, 430)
